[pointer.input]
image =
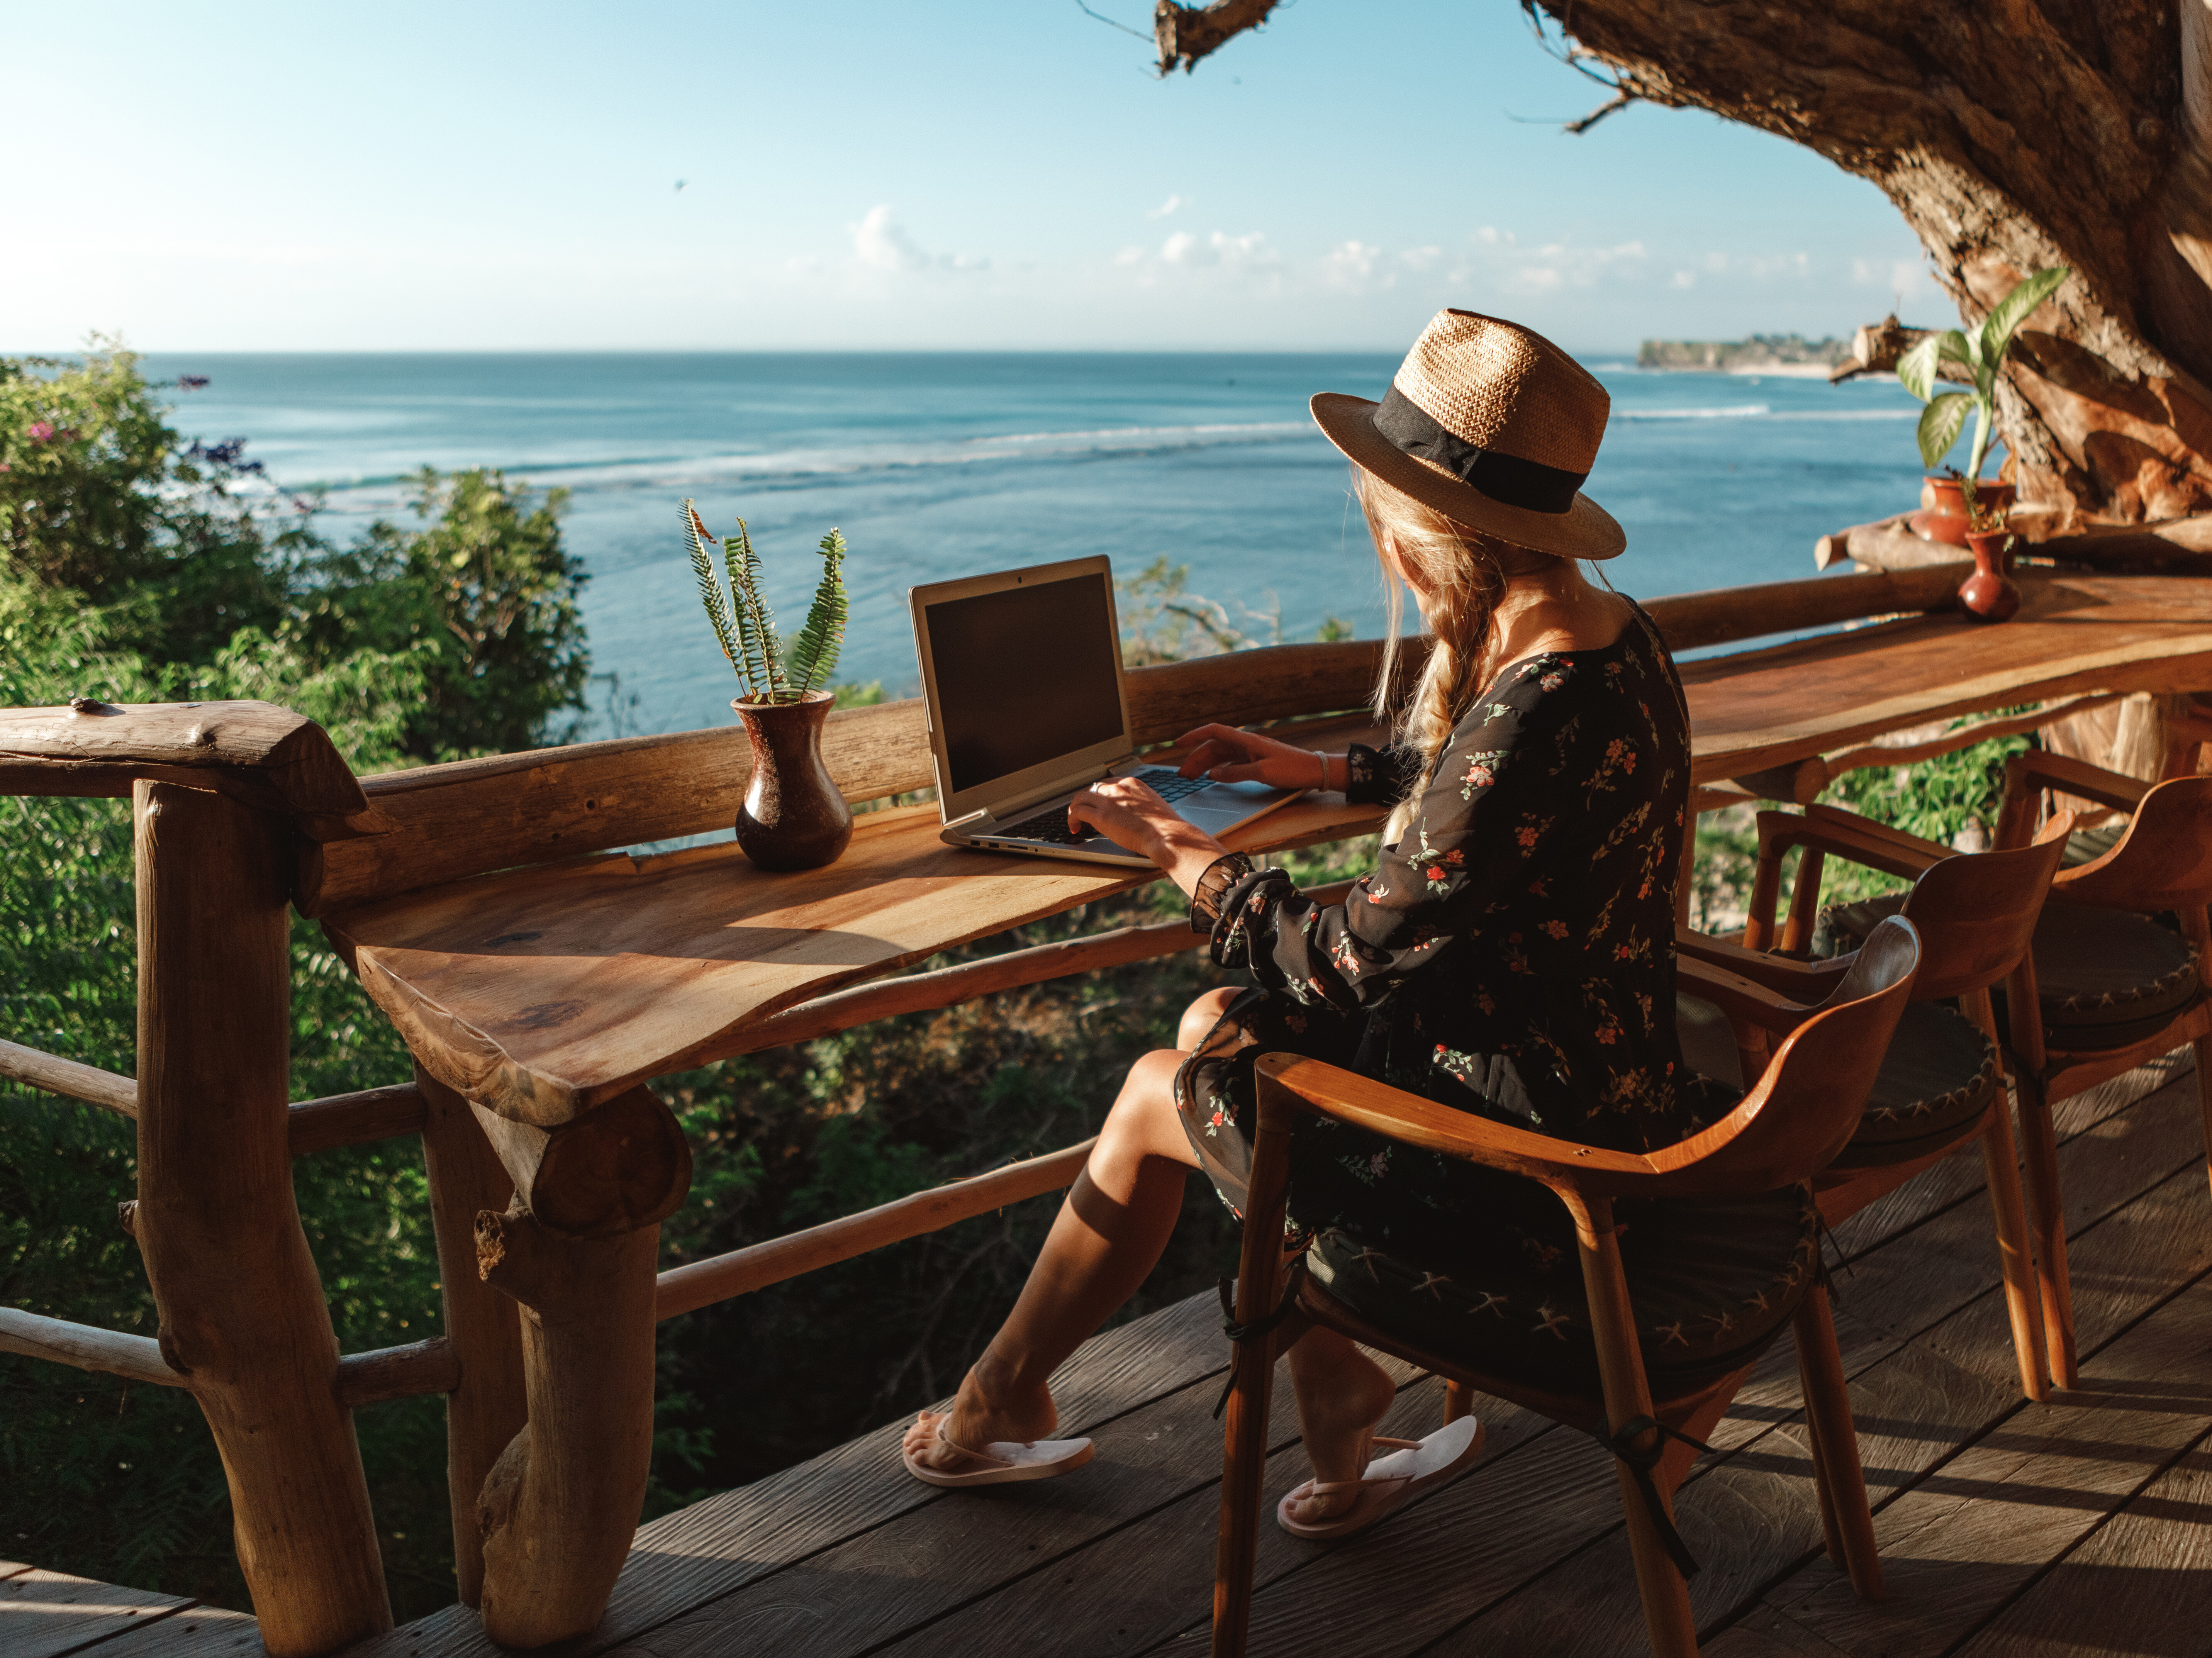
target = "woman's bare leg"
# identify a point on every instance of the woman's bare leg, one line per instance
(1342, 1395)
(1109, 1235)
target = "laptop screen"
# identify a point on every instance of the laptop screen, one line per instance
(1023, 675)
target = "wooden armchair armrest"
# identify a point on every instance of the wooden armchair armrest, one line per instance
(1800, 981)
(1327, 1091)
(1846, 835)
(1747, 1002)
(2047, 770)
(268, 757)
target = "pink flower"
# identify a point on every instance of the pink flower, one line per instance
(41, 430)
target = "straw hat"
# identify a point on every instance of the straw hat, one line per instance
(1492, 425)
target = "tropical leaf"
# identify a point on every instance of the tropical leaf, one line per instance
(814, 654)
(756, 627)
(2000, 325)
(1939, 425)
(1916, 369)
(710, 589)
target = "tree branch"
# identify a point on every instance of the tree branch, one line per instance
(1186, 33)
(1621, 100)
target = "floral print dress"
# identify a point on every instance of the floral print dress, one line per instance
(1513, 956)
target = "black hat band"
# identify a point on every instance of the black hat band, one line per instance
(1508, 479)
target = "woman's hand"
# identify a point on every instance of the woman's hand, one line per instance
(1129, 813)
(1230, 755)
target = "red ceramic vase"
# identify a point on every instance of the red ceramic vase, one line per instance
(1946, 520)
(1990, 595)
(792, 817)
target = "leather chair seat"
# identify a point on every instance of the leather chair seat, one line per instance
(2106, 978)
(1712, 1282)
(1940, 1074)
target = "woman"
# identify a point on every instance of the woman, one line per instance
(1512, 955)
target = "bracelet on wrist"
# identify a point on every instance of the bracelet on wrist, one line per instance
(1323, 758)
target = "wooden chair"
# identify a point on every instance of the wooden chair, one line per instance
(1627, 1384)
(2113, 989)
(1942, 1081)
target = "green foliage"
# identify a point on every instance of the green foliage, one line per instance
(1978, 356)
(770, 668)
(484, 596)
(814, 654)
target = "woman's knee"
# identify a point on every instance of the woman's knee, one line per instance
(1143, 1120)
(1201, 1016)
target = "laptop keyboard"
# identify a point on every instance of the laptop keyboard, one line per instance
(1051, 826)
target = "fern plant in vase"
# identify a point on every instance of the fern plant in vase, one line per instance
(793, 816)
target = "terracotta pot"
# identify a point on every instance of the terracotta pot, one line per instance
(1946, 521)
(1990, 595)
(792, 817)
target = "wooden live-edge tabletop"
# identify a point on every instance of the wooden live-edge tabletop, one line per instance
(545, 992)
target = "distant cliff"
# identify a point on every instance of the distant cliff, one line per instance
(1761, 353)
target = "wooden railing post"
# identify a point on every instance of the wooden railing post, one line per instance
(577, 1249)
(485, 1412)
(243, 1316)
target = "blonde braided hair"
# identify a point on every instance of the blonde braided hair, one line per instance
(1457, 568)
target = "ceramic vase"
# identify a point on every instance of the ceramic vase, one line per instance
(792, 817)
(1990, 595)
(1947, 521)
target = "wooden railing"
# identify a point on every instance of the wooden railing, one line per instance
(226, 793)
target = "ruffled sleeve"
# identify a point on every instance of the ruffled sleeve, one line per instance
(1380, 777)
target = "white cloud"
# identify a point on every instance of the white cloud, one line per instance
(1173, 203)
(1353, 266)
(883, 244)
(1183, 248)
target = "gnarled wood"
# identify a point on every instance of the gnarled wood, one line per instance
(624, 1166)
(98, 748)
(488, 1406)
(243, 1316)
(702, 1283)
(558, 1510)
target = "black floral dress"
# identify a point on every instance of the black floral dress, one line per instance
(1513, 954)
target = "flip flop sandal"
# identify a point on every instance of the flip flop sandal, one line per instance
(1413, 1466)
(1005, 1462)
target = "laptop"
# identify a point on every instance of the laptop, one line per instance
(1021, 674)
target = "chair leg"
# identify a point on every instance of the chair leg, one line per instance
(1836, 1446)
(1832, 1536)
(1667, 1612)
(1459, 1401)
(2047, 1213)
(2203, 1049)
(2015, 1259)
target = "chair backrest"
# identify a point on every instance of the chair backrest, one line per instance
(1977, 912)
(2164, 861)
(1803, 1110)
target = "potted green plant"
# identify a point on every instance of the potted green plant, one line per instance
(793, 816)
(1969, 512)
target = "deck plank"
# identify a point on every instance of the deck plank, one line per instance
(854, 1599)
(693, 1556)
(2142, 1584)
(45, 1614)
(198, 1631)
(1961, 1545)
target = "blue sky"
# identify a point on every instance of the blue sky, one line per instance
(883, 173)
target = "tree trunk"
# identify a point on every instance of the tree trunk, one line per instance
(2013, 135)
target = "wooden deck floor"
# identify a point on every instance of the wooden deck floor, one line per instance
(2082, 1527)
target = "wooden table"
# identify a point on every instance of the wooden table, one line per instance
(543, 993)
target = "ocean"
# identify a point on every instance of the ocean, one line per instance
(942, 464)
